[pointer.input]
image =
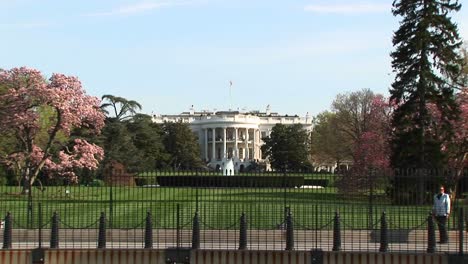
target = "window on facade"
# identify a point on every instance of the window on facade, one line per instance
(250, 153)
(210, 135)
(219, 153)
(241, 153)
(229, 153)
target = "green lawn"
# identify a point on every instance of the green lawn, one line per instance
(126, 207)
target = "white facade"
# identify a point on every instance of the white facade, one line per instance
(232, 135)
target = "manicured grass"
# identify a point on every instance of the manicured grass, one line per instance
(220, 208)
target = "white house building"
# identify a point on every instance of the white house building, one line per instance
(234, 135)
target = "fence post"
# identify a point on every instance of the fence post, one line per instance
(111, 206)
(289, 232)
(149, 231)
(30, 212)
(336, 233)
(370, 217)
(197, 186)
(102, 231)
(39, 223)
(7, 232)
(383, 233)
(460, 231)
(243, 232)
(431, 241)
(54, 231)
(196, 232)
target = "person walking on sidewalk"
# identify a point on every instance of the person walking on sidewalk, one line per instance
(441, 212)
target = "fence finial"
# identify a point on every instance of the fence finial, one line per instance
(431, 241)
(149, 230)
(243, 232)
(336, 232)
(461, 219)
(7, 232)
(54, 231)
(102, 231)
(289, 232)
(383, 233)
(196, 232)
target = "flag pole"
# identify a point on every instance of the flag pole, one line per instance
(230, 97)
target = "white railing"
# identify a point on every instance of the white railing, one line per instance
(237, 118)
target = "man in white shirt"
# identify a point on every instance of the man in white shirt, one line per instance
(441, 211)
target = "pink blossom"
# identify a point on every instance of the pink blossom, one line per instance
(372, 149)
(456, 147)
(72, 108)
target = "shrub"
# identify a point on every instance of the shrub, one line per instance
(231, 181)
(142, 181)
(97, 183)
(3, 180)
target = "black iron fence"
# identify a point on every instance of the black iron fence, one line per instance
(351, 211)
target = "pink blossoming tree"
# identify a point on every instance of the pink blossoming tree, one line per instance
(364, 117)
(68, 107)
(456, 146)
(372, 149)
(459, 154)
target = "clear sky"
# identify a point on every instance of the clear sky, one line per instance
(294, 55)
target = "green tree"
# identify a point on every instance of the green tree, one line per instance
(426, 62)
(463, 79)
(287, 148)
(147, 138)
(131, 138)
(182, 145)
(121, 108)
(8, 144)
(7, 138)
(117, 143)
(328, 144)
(116, 139)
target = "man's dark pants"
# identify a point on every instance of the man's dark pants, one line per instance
(442, 224)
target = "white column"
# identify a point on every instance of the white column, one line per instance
(224, 143)
(254, 143)
(259, 138)
(213, 139)
(246, 152)
(236, 150)
(206, 144)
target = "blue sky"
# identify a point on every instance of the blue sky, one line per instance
(294, 55)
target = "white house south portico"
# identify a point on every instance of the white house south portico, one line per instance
(229, 135)
(235, 135)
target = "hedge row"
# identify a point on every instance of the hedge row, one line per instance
(226, 181)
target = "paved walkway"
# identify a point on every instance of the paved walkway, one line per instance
(352, 240)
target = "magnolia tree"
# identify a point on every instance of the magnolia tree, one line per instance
(455, 147)
(459, 155)
(363, 118)
(372, 149)
(41, 144)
